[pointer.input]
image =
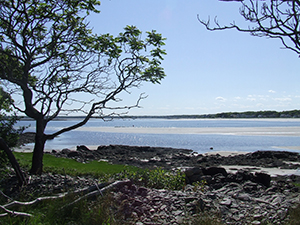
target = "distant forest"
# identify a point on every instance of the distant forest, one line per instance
(248, 114)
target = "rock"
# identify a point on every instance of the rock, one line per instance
(242, 197)
(82, 148)
(226, 201)
(193, 175)
(65, 151)
(262, 178)
(214, 170)
(25, 138)
(250, 186)
(72, 154)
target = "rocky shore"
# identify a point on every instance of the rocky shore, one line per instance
(238, 197)
(242, 197)
(169, 158)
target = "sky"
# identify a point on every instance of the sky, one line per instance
(207, 72)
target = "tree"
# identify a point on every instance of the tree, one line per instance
(269, 18)
(52, 59)
(9, 135)
(8, 132)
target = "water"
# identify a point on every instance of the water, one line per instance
(197, 142)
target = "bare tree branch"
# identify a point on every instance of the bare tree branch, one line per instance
(273, 19)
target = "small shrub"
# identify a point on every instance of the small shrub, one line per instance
(157, 178)
(199, 185)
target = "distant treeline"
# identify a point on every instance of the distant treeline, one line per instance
(248, 114)
(258, 114)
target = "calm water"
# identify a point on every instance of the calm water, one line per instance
(197, 142)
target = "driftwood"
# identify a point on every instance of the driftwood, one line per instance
(13, 213)
(116, 184)
(82, 191)
(98, 189)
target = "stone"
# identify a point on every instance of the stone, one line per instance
(226, 201)
(83, 148)
(214, 170)
(64, 151)
(177, 213)
(250, 186)
(243, 197)
(262, 178)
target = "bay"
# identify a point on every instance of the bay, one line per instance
(91, 134)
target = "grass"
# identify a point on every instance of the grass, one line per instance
(72, 167)
(297, 184)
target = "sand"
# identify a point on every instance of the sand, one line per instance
(267, 131)
(271, 171)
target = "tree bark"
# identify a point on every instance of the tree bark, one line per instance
(13, 162)
(38, 152)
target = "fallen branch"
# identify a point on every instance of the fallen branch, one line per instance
(6, 196)
(101, 191)
(86, 192)
(62, 195)
(13, 213)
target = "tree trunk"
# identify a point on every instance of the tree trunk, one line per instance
(13, 162)
(38, 152)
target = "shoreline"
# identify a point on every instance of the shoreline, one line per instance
(248, 131)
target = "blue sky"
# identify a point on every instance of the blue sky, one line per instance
(207, 72)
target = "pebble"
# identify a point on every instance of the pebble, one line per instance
(240, 207)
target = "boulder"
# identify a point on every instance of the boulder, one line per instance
(262, 178)
(214, 170)
(65, 151)
(82, 148)
(72, 154)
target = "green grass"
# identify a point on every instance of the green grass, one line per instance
(72, 167)
(297, 184)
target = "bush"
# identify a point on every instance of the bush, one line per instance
(157, 178)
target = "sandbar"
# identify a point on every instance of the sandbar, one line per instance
(256, 131)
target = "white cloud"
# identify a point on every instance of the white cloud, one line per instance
(220, 99)
(251, 98)
(272, 91)
(283, 99)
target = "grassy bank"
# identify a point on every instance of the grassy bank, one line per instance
(72, 167)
